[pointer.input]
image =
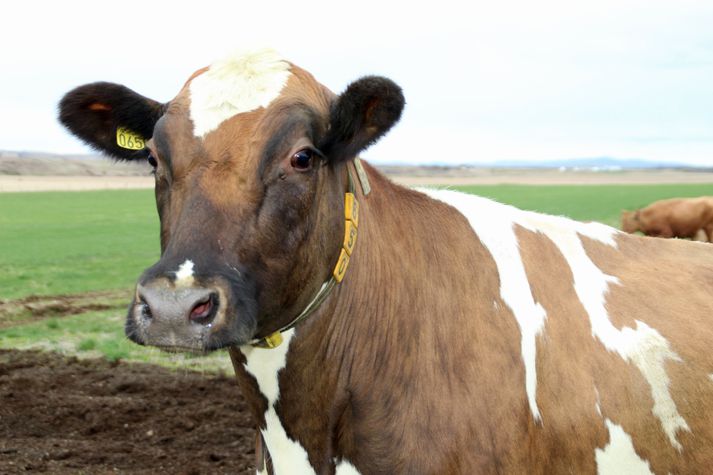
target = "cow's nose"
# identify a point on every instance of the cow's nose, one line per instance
(166, 305)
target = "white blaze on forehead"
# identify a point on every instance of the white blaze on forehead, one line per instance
(644, 347)
(265, 364)
(184, 274)
(619, 456)
(240, 83)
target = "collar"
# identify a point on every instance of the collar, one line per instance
(351, 223)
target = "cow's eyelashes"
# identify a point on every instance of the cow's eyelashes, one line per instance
(303, 159)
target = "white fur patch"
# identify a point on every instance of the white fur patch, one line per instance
(184, 274)
(240, 83)
(345, 468)
(644, 346)
(493, 223)
(619, 456)
(288, 456)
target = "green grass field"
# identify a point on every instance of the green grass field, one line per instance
(601, 203)
(76, 242)
(69, 242)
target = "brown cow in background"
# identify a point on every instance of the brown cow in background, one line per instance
(676, 217)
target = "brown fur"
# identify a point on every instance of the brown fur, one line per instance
(442, 391)
(343, 378)
(414, 364)
(675, 217)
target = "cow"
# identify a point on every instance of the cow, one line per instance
(379, 329)
(675, 217)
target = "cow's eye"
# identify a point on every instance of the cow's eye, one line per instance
(152, 160)
(302, 160)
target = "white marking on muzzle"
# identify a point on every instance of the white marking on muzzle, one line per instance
(184, 274)
(619, 456)
(240, 83)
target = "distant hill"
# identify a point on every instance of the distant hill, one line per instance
(48, 164)
(600, 163)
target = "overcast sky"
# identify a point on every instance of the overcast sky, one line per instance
(484, 80)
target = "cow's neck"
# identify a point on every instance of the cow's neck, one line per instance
(305, 389)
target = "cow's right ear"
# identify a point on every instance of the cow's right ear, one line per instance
(111, 118)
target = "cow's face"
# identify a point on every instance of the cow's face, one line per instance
(250, 165)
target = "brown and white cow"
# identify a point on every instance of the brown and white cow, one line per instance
(675, 217)
(466, 336)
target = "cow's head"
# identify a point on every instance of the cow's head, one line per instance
(630, 221)
(250, 164)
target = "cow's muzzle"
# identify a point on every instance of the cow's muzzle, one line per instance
(190, 318)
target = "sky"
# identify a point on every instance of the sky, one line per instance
(484, 81)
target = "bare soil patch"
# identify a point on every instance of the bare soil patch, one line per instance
(10, 183)
(39, 307)
(66, 415)
(409, 176)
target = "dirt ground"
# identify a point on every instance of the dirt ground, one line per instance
(33, 171)
(412, 176)
(65, 415)
(39, 307)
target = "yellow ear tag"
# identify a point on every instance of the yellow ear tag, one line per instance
(128, 139)
(274, 340)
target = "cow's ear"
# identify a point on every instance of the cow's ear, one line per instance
(363, 113)
(111, 118)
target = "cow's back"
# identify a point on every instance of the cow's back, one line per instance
(472, 337)
(608, 335)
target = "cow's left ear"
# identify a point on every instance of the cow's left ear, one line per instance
(362, 114)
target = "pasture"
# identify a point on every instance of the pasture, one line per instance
(76, 255)
(69, 261)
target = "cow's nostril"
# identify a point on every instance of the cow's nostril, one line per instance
(204, 311)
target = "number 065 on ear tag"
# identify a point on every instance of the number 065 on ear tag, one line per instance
(129, 139)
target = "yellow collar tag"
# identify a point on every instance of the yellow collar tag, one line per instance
(351, 209)
(363, 178)
(351, 222)
(129, 139)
